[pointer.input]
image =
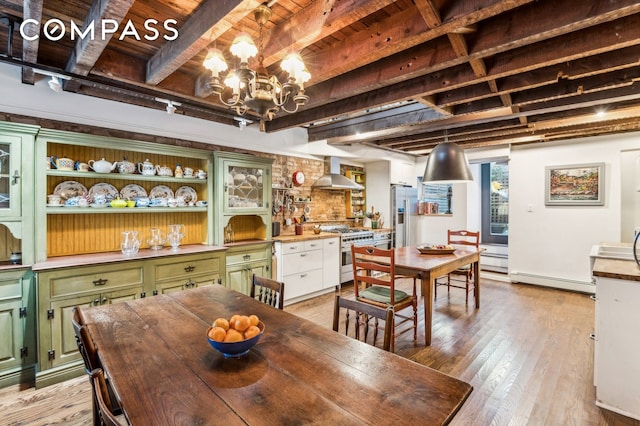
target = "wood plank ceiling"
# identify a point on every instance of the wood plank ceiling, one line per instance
(399, 75)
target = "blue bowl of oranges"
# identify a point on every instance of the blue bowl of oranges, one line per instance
(235, 336)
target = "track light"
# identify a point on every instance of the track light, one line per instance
(54, 84)
(171, 105)
(242, 122)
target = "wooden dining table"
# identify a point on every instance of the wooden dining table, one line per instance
(428, 267)
(164, 371)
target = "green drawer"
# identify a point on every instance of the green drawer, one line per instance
(248, 256)
(10, 285)
(76, 281)
(184, 266)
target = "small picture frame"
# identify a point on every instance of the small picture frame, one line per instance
(575, 185)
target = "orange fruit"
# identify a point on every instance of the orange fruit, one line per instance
(217, 333)
(252, 331)
(241, 323)
(233, 336)
(221, 322)
(232, 320)
(254, 320)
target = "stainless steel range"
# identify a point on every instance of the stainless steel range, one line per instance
(349, 237)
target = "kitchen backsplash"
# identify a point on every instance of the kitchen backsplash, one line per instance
(325, 205)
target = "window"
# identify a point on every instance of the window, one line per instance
(495, 202)
(436, 198)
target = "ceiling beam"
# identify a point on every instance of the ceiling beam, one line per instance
(596, 40)
(395, 34)
(208, 22)
(587, 100)
(31, 9)
(315, 22)
(87, 50)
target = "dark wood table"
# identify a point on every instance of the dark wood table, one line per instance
(165, 372)
(428, 267)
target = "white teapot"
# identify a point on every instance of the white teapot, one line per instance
(146, 168)
(164, 171)
(102, 166)
(126, 167)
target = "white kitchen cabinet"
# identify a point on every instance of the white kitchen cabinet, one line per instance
(401, 173)
(616, 364)
(304, 269)
(331, 262)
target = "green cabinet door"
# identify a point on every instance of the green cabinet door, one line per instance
(10, 334)
(239, 276)
(63, 341)
(17, 327)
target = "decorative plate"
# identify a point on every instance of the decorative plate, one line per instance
(109, 191)
(132, 191)
(189, 194)
(69, 189)
(436, 249)
(161, 191)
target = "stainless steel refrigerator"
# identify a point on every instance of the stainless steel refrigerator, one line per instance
(404, 215)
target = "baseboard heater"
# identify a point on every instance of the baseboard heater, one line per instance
(555, 282)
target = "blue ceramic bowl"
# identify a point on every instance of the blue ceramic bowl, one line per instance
(236, 349)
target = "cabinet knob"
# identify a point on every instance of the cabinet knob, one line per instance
(592, 336)
(15, 177)
(189, 268)
(96, 302)
(104, 300)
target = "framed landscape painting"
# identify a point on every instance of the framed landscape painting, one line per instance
(575, 185)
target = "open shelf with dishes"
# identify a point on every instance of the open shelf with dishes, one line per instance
(73, 207)
(356, 200)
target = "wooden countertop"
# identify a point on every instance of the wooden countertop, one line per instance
(305, 237)
(615, 268)
(113, 257)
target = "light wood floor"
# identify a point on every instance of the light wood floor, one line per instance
(526, 351)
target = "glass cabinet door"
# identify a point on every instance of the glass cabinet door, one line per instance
(9, 176)
(245, 189)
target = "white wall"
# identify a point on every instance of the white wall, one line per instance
(550, 245)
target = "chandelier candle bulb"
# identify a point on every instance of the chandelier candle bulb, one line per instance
(255, 89)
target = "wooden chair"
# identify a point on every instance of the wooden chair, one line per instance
(89, 353)
(460, 238)
(374, 282)
(364, 313)
(86, 347)
(103, 399)
(267, 291)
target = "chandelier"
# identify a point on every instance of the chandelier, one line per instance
(255, 89)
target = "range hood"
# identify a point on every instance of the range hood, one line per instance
(332, 179)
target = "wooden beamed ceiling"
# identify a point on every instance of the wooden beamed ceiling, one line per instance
(397, 75)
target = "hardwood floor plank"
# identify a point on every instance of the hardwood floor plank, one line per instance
(526, 351)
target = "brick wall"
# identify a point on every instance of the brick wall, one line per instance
(326, 206)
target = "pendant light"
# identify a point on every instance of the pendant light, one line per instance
(447, 163)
